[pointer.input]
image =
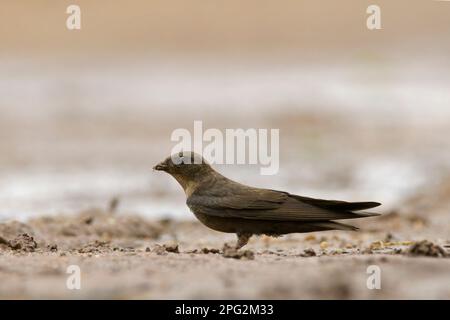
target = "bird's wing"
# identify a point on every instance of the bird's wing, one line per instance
(264, 204)
(338, 204)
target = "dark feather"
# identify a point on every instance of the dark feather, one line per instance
(337, 204)
(263, 204)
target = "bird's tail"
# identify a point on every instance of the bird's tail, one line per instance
(365, 214)
(333, 225)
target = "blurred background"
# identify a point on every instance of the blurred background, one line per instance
(84, 115)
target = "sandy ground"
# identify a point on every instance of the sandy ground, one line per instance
(126, 256)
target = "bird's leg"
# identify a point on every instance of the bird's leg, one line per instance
(242, 239)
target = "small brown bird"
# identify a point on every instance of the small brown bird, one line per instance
(228, 206)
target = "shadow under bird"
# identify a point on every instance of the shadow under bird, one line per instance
(228, 206)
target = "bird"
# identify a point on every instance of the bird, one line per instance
(228, 206)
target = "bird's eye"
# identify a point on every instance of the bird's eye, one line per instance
(180, 161)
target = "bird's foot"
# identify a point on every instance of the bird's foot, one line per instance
(243, 239)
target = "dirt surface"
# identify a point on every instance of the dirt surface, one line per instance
(126, 256)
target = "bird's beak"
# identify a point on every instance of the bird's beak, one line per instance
(160, 167)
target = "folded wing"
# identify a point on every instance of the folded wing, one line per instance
(263, 204)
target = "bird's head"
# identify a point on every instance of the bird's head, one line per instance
(186, 167)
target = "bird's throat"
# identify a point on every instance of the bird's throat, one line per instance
(188, 186)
